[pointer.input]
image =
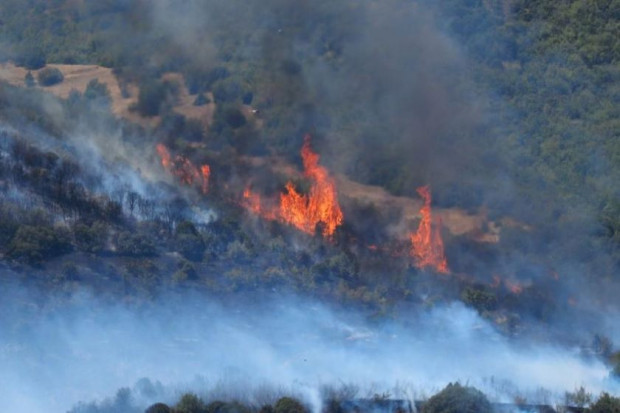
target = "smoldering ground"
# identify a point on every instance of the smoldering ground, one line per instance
(57, 351)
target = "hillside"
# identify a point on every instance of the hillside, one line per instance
(317, 181)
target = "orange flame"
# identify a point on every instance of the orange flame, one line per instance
(514, 287)
(320, 205)
(205, 170)
(164, 154)
(304, 212)
(184, 169)
(427, 245)
(251, 201)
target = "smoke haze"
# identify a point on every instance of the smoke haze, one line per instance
(56, 352)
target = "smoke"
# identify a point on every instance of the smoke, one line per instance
(57, 351)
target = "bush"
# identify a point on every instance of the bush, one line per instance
(97, 92)
(50, 76)
(479, 298)
(606, 404)
(455, 398)
(34, 244)
(190, 403)
(158, 408)
(289, 405)
(91, 238)
(153, 95)
(234, 117)
(135, 245)
(201, 100)
(29, 80)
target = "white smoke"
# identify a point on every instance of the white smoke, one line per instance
(53, 358)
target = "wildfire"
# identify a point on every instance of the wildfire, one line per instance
(205, 171)
(321, 203)
(304, 212)
(184, 169)
(427, 245)
(513, 287)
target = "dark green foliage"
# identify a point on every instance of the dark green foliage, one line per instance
(289, 405)
(231, 407)
(34, 244)
(121, 403)
(479, 298)
(606, 404)
(455, 398)
(233, 117)
(91, 238)
(248, 97)
(190, 403)
(32, 58)
(50, 76)
(154, 96)
(159, 408)
(201, 100)
(97, 92)
(188, 242)
(227, 90)
(614, 359)
(579, 398)
(193, 131)
(29, 80)
(135, 245)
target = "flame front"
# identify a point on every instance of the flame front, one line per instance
(304, 212)
(320, 205)
(205, 170)
(427, 245)
(184, 169)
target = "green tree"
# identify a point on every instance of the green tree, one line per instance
(190, 403)
(50, 76)
(34, 244)
(606, 404)
(158, 408)
(29, 80)
(289, 405)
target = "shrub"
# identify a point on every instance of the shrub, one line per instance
(158, 408)
(134, 245)
(50, 76)
(153, 95)
(97, 92)
(289, 405)
(91, 238)
(201, 100)
(479, 298)
(234, 117)
(29, 79)
(190, 403)
(33, 244)
(455, 398)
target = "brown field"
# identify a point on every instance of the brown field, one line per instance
(78, 76)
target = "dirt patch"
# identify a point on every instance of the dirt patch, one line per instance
(77, 77)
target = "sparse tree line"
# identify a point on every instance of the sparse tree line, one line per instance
(454, 398)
